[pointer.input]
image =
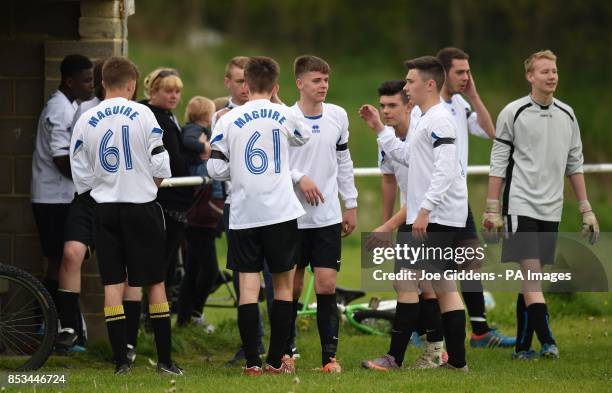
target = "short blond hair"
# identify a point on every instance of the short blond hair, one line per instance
(543, 54)
(199, 109)
(160, 79)
(238, 62)
(221, 102)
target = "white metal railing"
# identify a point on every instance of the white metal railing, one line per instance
(362, 172)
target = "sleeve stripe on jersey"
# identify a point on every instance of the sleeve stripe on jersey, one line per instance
(443, 141)
(77, 144)
(157, 131)
(342, 147)
(505, 142)
(218, 155)
(216, 139)
(158, 150)
(564, 110)
(516, 115)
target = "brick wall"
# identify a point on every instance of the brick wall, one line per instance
(34, 37)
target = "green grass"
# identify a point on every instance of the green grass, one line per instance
(584, 365)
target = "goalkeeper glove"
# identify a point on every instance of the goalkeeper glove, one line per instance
(590, 227)
(492, 222)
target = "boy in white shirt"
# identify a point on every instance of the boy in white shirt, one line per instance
(250, 147)
(436, 209)
(322, 170)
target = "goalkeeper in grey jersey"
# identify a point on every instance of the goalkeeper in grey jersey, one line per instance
(537, 143)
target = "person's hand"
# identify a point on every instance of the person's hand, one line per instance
(205, 155)
(372, 118)
(590, 226)
(222, 112)
(379, 237)
(310, 190)
(470, 88)
(349, 221)
(419, 226)
(492, 222)
(276, 99)
(410, 105)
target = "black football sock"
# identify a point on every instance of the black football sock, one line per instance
(475, 304)
(524, 328)
(132, 317)
(454, 335)
(328, 322)
(68, 308)
(292, 331)
(280, 323)
(421, 327)
(405, 321)
(160, 323)
(538, 314)
(430, 314)
(115, 324)
(248, 320)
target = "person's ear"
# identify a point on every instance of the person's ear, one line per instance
(299, 83)
(529, 76)
(131, 87)
(275, 89)
(226, 81)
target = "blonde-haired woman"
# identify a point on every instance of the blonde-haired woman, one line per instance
(163, 89)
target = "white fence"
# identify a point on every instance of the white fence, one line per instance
(361, 172)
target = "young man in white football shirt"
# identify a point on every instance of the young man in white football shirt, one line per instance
(537, 144)
(51, 188)
(78, 245)
(322, 170)
(120, 153)
(395, 108)
(397, 111)
(238, 96)
(471, 119)
(435, 210)
(250, 147)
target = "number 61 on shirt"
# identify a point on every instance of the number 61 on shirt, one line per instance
(107, 152)
(251, 152)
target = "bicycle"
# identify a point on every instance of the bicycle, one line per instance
(28, 320)
(375, 317)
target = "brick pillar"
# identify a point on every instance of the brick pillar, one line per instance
(21, 99)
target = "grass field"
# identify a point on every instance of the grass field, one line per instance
(581, 325)
(584, 364)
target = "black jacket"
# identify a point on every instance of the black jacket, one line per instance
(175, 198)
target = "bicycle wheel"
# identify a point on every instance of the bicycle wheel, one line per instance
(379, 320)
(28, 320)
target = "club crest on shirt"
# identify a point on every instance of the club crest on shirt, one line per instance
(315, 129)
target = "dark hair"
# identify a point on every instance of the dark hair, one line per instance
(447, 55)
(74, 64)
(393, 87)
(261, 74)
(429, 67)
(117, 71)
(309, 63)
(97, 78)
